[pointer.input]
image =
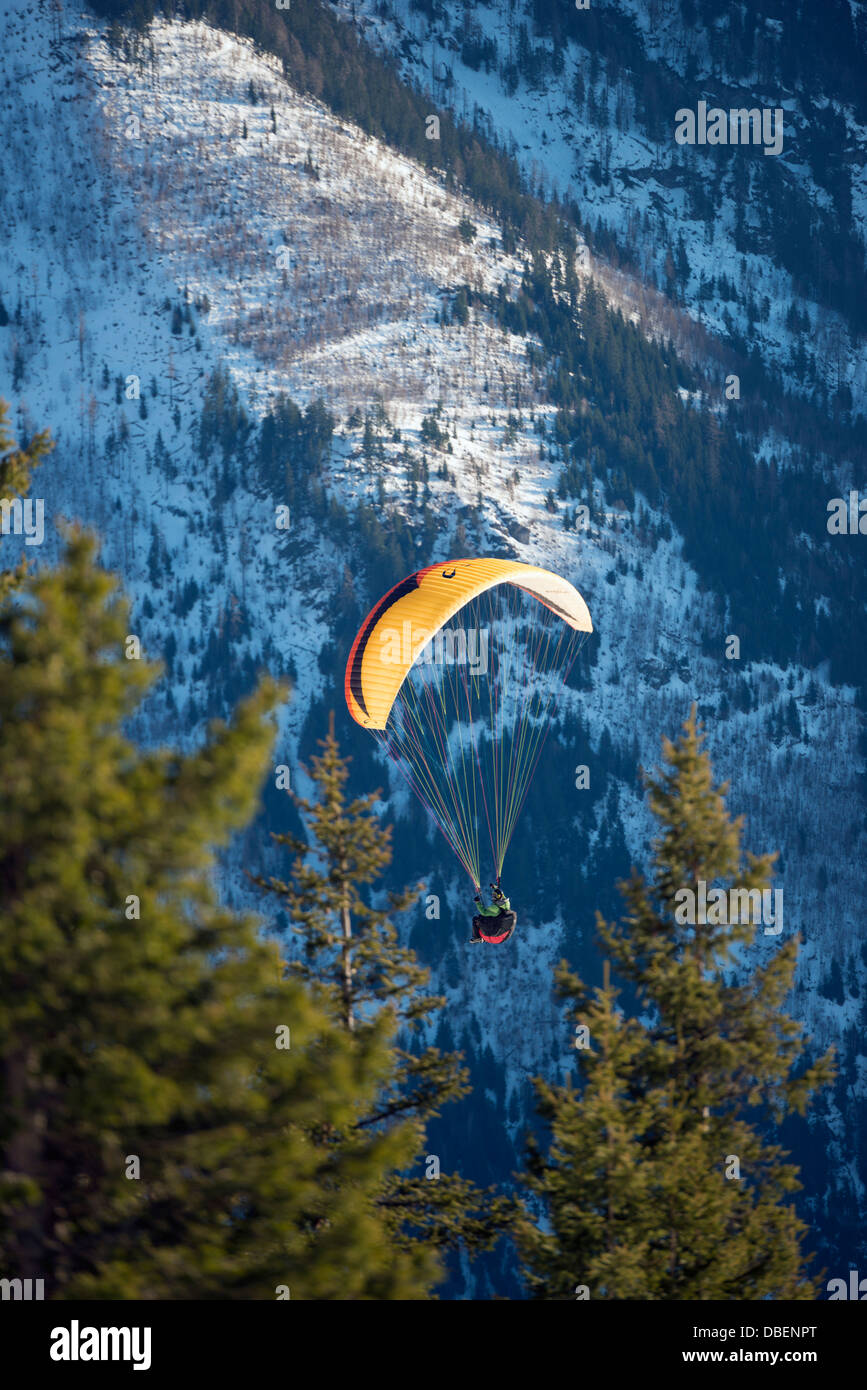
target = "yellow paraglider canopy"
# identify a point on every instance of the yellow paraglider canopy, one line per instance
(401, 625)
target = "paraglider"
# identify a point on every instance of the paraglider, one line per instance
(457, 671)
(496, 923)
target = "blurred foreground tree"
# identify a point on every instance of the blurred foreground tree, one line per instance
(168, 1099)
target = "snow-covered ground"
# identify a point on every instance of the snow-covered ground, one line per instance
(558, 139)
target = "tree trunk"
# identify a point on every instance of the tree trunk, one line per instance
(346, 926)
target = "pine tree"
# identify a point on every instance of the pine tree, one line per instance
(166, 1093)
(592, 1180)
(351, 952)
(15, 469)
(659, 1184)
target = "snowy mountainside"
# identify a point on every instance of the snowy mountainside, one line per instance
(143, 234)
(694, 221)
